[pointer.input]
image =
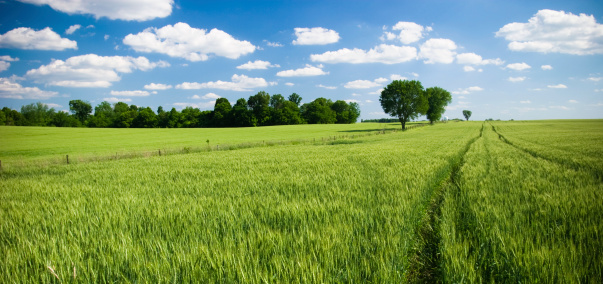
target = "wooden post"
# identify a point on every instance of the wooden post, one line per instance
(0, 165)
(159, 152)
(67, 156)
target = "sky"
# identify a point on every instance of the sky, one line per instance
(519, 60)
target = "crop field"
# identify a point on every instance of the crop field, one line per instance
(457, 202)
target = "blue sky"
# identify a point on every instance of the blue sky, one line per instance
(499, 59)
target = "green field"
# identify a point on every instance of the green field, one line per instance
(457, 202)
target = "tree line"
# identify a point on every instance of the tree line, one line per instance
(260, 109)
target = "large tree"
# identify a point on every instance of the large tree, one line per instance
(405, 100)
(222, 113)
(260, 106)
(437, 99)
(319, 112)
(80, 109)
(467, 114)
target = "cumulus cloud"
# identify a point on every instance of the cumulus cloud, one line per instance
(116, 100)
(72, 29)
(90, 70)
(289, 84)
(130, 93)
(468, 68)
(237, 83)
(438, 50)
(387, 54)
(519, 66)
(546, 67)
(361, 84)
(326, 87)
(595, 79)
(467, 91)
(205, 105)
(315, 36)
(181, 40)
(27, 38)
(525, 102)
(258, 64)
(558, 86)
(129, 10)
(4, 65)
(10, 89)
(409, 32)
(516, 79)
(273, 44)
(555, 31)
(156, 87)
(474, 59)
(572, 101)
(5, 62)
(309, 70)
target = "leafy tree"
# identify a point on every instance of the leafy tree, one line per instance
(190, 117)
(103, 116)
(437, 99)
(222, 115)
(146, 118)
(319, 112)
(173, 119)
(242, 116)
(80, 109)
(12, 117)
(63, 119)
(354, 112)
(467, 114)
(404, 99)
(260, 106)
(2, 118)
(276, 101)
(37, 114)
(295, 98)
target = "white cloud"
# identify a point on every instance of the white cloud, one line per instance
(560, 107)
(516, 79)
(27, 38)
(368, 101)
(116, 100)
(415, 74)
(409, 32)
(467, 91)
(573, 101)
(595, 79)
(315, 36)
(9, 89)
(130, 93)
(474, 59)
(107, 37)
(558, 86)
(525, 102)
(361, 84)
(72, 29)
(258, 64)
(273, 44)
(546, 67)
(90, 70)
(326, 87)
(309, 70)
(8, 58)
(394, 77)
(555, 31)
(468, 68)
(438, 50)
(4, 65)
(377, 92)
(238, 83)
(289, 84)
(519, 66)
(351, 101)
(181, 40)
(387, 54)
(154, 86)
(210, 96)
(129, 10)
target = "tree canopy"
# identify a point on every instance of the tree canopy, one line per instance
(437, 99)
(467, 114)
(405, 100)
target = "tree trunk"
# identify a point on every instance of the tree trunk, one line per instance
(403, 123)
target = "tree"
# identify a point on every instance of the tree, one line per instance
(80, 109)
(242, 116)
(222, 110)
(467, 114)
(404, 99)
(37, 114)
(319, 112)
(103, 116)
(295, 98)
(146, 118)
(276, 101)
(260, 106)
(437, 99)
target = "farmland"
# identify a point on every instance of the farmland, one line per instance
(502, 201)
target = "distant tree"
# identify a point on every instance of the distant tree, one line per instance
(63, 119)
(354, 112)
(404, 99)
(80, 109)
(295, 98)
(222, 116)
(260, 106)
(12, 117)
(467, 114)
(437, 99)
(242, 116)
(145, 118)
(319, 112)
(103, 116)
(2, 118)
(276, 101)
(37, 114)
(173, 119)
(190, 117)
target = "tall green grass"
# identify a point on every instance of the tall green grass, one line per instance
(340, 212)
(515, 217)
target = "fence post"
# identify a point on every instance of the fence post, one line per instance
(67, 156)
(0, 165)
(159, 152)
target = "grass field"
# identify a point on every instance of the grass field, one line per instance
(498, 203)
